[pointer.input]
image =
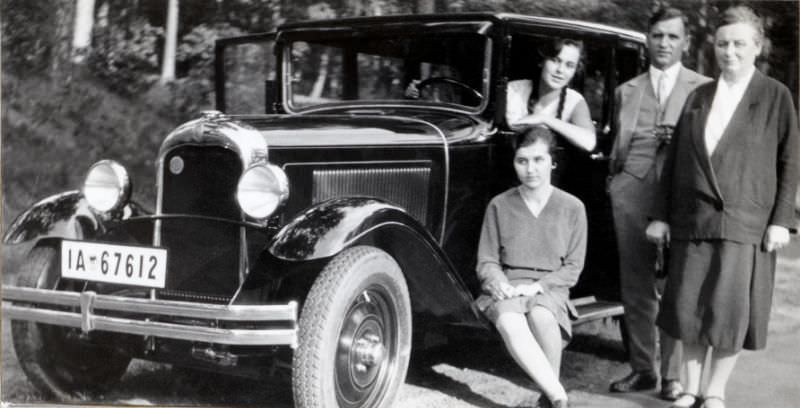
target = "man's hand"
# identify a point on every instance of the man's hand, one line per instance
(776, 237)
(412, 92)
(658, 233)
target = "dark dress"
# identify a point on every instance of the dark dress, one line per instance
(720, 284)
(518, 247)
(721, 295)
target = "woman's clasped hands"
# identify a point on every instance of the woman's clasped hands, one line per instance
(532, 119)
(500, 290)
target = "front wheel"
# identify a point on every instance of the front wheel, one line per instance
(58, 360)
(354, 333)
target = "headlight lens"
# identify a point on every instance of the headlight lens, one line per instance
(262, 188)
(107, 186)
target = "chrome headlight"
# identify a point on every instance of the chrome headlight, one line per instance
(262, 188)
(107, 186)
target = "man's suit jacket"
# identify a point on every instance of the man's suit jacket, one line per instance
(751, 179)
(628, 99)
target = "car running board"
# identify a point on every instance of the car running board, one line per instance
(590, 309)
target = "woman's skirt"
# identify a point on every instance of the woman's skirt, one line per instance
(555, 300)
(718, 293)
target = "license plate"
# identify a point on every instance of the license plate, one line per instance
(122, 264)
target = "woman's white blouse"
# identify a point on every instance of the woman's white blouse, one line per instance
(518, 93)
(726, 99)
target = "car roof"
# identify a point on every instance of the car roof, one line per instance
(501, 18)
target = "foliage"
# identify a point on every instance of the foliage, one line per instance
(127, 59)
(52, 133)
(26, 28)
(116, 108)
(195, 54)
(182, 99)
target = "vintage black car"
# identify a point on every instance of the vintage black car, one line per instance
(319, 218)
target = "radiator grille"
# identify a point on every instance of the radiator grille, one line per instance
(405, 187)
(203, 254)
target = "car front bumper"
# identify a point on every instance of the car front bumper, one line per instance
(79, 309)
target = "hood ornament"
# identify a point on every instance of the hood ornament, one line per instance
(212, 114)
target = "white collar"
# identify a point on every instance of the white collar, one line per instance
(670, 77)
(739, 85)
(671, 72)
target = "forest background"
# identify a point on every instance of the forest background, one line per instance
(84, 80)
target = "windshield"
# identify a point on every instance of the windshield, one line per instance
(442, 69)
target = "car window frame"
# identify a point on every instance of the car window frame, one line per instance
(486, 82)
(272, 102)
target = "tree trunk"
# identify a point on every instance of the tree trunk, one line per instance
(702, 33)
(322, 76)
(170, 43)
(63, 18)
(82, 33)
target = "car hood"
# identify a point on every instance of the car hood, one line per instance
(356, 130)
(251, 135)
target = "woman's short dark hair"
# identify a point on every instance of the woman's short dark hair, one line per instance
(534, 134)
(743, 14)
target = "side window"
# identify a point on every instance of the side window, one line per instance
(247, 68)
(597, 60)
(525, 60)
(630, 61)
(380, 77)
(317, 73)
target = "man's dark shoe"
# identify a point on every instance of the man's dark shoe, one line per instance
(635, 381)
(670, 390)
(543, 402)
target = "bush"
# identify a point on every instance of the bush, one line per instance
(182, 99)
(27, 28)
(195, 54)
(127, 60)
(53, 132)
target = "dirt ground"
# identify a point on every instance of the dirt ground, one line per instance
(476, 374)
(468, 374)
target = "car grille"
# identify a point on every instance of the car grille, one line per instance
(198, 198)
(204, 183)
(405, 187)
(193, 297)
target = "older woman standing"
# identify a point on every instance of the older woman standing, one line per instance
(727, 204)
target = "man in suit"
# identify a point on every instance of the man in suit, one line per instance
(648, 107)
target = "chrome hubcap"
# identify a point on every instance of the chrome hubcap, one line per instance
(368, 351)
(367, 342)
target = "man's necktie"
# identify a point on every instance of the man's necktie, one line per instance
(661, 89)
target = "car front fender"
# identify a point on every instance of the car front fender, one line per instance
(303, 246)
(327, 228)
(66, 215)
